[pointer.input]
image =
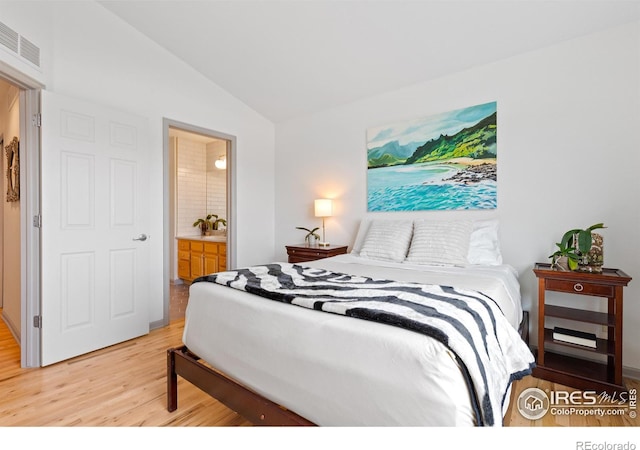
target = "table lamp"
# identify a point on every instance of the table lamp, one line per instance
(323, 208)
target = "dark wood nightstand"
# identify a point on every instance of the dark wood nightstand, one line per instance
(575, 371)
(302, 252)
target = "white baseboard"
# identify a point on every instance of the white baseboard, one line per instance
(11, 327)
(631, 372)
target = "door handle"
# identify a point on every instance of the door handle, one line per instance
(142, 237)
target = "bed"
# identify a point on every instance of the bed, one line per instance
(280, 364)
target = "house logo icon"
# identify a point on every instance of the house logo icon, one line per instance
(533, 403)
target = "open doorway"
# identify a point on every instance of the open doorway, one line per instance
(10, 225)
(20, 234)
(199, 209)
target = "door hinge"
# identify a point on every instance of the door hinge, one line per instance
(37, 120)
(37, 321)
(37, 221)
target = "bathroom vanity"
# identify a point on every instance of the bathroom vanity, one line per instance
(199, 256)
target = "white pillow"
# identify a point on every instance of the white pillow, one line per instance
(484, 245)
(440, 242)
(362, 233)
(387, 240)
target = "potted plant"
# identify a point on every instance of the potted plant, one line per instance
(215, 225)
(575, 248)
(312, 237)
(209, 224)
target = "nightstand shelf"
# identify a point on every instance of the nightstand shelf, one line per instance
(302, 253)
(577, 372)
(580, 315)
(603, 346)
(581, 370)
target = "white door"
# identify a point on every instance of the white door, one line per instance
(95, 219)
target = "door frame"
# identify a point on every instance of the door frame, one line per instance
(231, 200)
(30, 345)
(29, 210)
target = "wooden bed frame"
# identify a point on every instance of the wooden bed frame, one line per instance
(250, 405)
(253, 407)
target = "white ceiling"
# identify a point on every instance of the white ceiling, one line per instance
(290, 58)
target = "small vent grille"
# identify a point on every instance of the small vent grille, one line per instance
(8, 38)
(29, 51)
(19, 45)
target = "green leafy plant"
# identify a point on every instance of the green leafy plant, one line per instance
(211, 222)
(310, 233)
(218, 222)
(574, 245)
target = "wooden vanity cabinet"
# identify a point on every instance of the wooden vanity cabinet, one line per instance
(197, 257)
(184, 259)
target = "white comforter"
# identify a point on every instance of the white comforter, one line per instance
(336, 370)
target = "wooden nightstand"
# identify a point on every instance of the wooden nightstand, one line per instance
(575, 371)
(302, 252)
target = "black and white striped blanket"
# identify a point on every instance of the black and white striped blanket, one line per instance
(489, 350)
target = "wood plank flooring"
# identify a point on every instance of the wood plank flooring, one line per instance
(125, 386)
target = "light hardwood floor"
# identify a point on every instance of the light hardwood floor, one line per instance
(125, 385)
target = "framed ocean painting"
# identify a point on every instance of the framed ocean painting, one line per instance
(446, 161)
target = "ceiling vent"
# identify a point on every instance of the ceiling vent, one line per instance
(29, 51)
(19, 45)
(8, 38)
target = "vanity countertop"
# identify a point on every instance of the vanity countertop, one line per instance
(222, 238)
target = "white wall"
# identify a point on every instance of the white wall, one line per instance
(568, 118)
(191, 185)
(216, 180)
(91, 54)
(201, 187)
(30, 20)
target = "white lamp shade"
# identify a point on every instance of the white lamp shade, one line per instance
(323, 207)
(221, 163)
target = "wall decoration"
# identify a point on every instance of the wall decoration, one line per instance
(443, 162)
(13, 170)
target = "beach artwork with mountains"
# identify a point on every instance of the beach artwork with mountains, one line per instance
(441, 162)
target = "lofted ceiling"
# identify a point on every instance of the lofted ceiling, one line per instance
(290, 58)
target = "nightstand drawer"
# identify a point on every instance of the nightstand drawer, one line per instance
(303, 253)
(577, 287)
(309, 253)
